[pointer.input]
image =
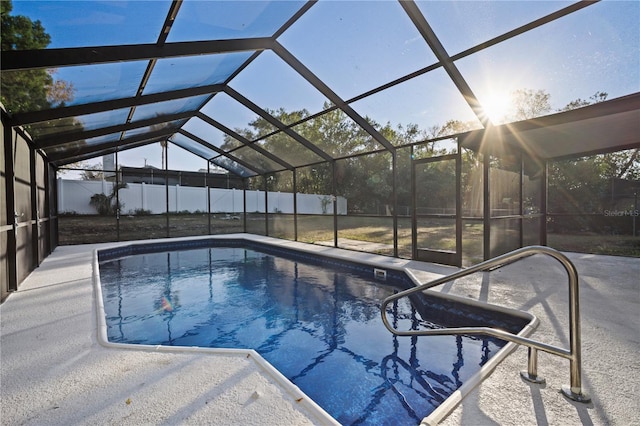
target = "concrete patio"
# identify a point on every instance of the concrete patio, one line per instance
(56, 372)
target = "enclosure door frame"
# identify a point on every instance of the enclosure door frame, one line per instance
(446, 257)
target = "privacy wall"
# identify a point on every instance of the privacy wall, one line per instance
(4, 227)
(26, 215)
(74, 197)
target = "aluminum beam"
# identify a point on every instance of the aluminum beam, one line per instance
(13, 60)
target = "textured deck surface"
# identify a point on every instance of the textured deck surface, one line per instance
(54, 371)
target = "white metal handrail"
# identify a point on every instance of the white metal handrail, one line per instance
(573, 354)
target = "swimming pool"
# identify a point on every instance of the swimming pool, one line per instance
(315, 319)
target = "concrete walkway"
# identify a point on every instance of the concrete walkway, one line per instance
(55, 372)
(610, 312)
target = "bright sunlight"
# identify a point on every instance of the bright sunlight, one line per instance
(496, 106)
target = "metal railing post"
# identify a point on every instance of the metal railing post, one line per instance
(531, 374)
(574, 390)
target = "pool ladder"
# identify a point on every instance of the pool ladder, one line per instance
(574, 390)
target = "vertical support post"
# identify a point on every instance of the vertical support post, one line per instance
(414, 204)
(334, 194)
(10, 203)
(459, 208)
(295, 204)
(266, 205)
(206, 185)
(574, 390)
(47, 203)
(54, 209)
(544, 199)
(521, 202)
(116, 183)
(165, 154)
(486, 205)
(531, 374)
(394, 181)
(35, 216)
(244, 204)
(178, 188)
(533, 362)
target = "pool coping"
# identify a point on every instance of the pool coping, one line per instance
(372, 260)
(299, 396)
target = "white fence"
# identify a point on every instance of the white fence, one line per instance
(74, 196)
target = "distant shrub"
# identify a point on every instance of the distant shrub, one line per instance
(106, 204)
(102, 204)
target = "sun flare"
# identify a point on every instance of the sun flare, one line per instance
(496, 106)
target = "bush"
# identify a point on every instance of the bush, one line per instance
(104, 204)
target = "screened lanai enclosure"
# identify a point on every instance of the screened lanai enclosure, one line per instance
(443, 131)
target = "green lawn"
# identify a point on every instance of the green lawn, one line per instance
(319, 229)
(616, 245)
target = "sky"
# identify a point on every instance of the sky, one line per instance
(356, 46)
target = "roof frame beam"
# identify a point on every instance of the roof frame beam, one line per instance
(513, 33)
(316, 82)
(294, 18)
(78, 136)
(169, 20)
(61, 163)
(524, 28)
(242, 139)
(13, 60)
(23, 118)
(153, 136)
(438, 49)
(622, 115)
(166, 27)
(277, 123)
(74, 159)
(506, 36)
(221, 152)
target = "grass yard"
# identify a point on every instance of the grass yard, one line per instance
(98, 229)
(615, 245)
(375, 234)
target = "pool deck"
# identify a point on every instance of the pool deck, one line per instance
(56, 371)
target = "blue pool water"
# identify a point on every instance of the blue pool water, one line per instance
(318, 324)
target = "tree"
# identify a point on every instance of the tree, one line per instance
(619, 165)
(30, 90)
(19, 32)
(93, 172)
(616, 165)
(579, 103)
(529, 103)
(585, 185)
(23, 90)
(365, 180)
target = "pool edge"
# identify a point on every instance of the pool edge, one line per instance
(287, 387)
(439, 414)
